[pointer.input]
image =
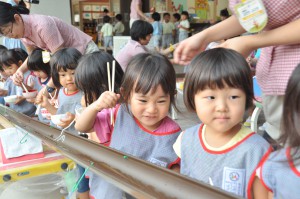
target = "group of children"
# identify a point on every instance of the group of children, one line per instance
(218, 87)
(107, 30)
(165, 32)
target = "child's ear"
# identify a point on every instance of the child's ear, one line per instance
(121, 91)
(20, 62)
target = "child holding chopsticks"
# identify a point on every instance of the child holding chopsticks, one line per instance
(142, 127)
(11, 60)
(91, 78)
(42, 71)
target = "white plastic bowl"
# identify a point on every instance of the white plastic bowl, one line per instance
(30, 94)
(45, 113)
(56, 118)
(11, 99)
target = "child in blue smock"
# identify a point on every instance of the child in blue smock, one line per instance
(279, 175)
(11, 60)
(220, 151)
(42, 71)
(91, 79)
(63, 64)
(142, 127)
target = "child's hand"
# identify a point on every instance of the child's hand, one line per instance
(31, 100)
(39, 97)
(19, 100)
(44, 102)
(106, 100)
(66, 120)
(3, 92)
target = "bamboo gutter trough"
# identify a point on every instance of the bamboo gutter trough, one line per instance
(137, 177)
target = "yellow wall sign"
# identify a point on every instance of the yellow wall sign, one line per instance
(201, 8)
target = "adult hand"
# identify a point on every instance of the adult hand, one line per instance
(18, 78)
(189, 48)
(240, 44)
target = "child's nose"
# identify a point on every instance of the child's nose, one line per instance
(222, 105)
(152, 108)
(70, 77)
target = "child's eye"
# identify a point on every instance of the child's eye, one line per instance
(143, 101)
(161, 101)
(210, 97)
(234, 97)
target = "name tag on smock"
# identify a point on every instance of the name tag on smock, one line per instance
(252, 15)
(234, 180)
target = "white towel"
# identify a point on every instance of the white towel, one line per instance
(10, 139)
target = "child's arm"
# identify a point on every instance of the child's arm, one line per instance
(3, 92)
(86, 120)
(259, 191)
(19, 100)
(184, 28)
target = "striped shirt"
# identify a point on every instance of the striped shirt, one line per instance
(276, 63)
(51, 33)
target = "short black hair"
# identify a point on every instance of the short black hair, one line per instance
(63, 59)
(119, 17)
(176, 16)
(106, 19)
(35, 62)
(7, 12)
(290, 126)
(216, 68)
(156, 16)
(145, 72)
(224, 12)
(140, 29)
(166, 14)
(12, 56)
(105, 10)
(91, 75)
(185, 13)
(2, 47)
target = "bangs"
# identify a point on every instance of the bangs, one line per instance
(12, 56)
(150, 77)
(218, 78)
(70, 66)
(8, 62)
(216, 69)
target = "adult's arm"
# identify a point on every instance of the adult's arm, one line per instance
(283, 35)
(190, 47)
(18, 76)
(138, 8)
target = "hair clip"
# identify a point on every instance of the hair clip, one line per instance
(46, 56)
